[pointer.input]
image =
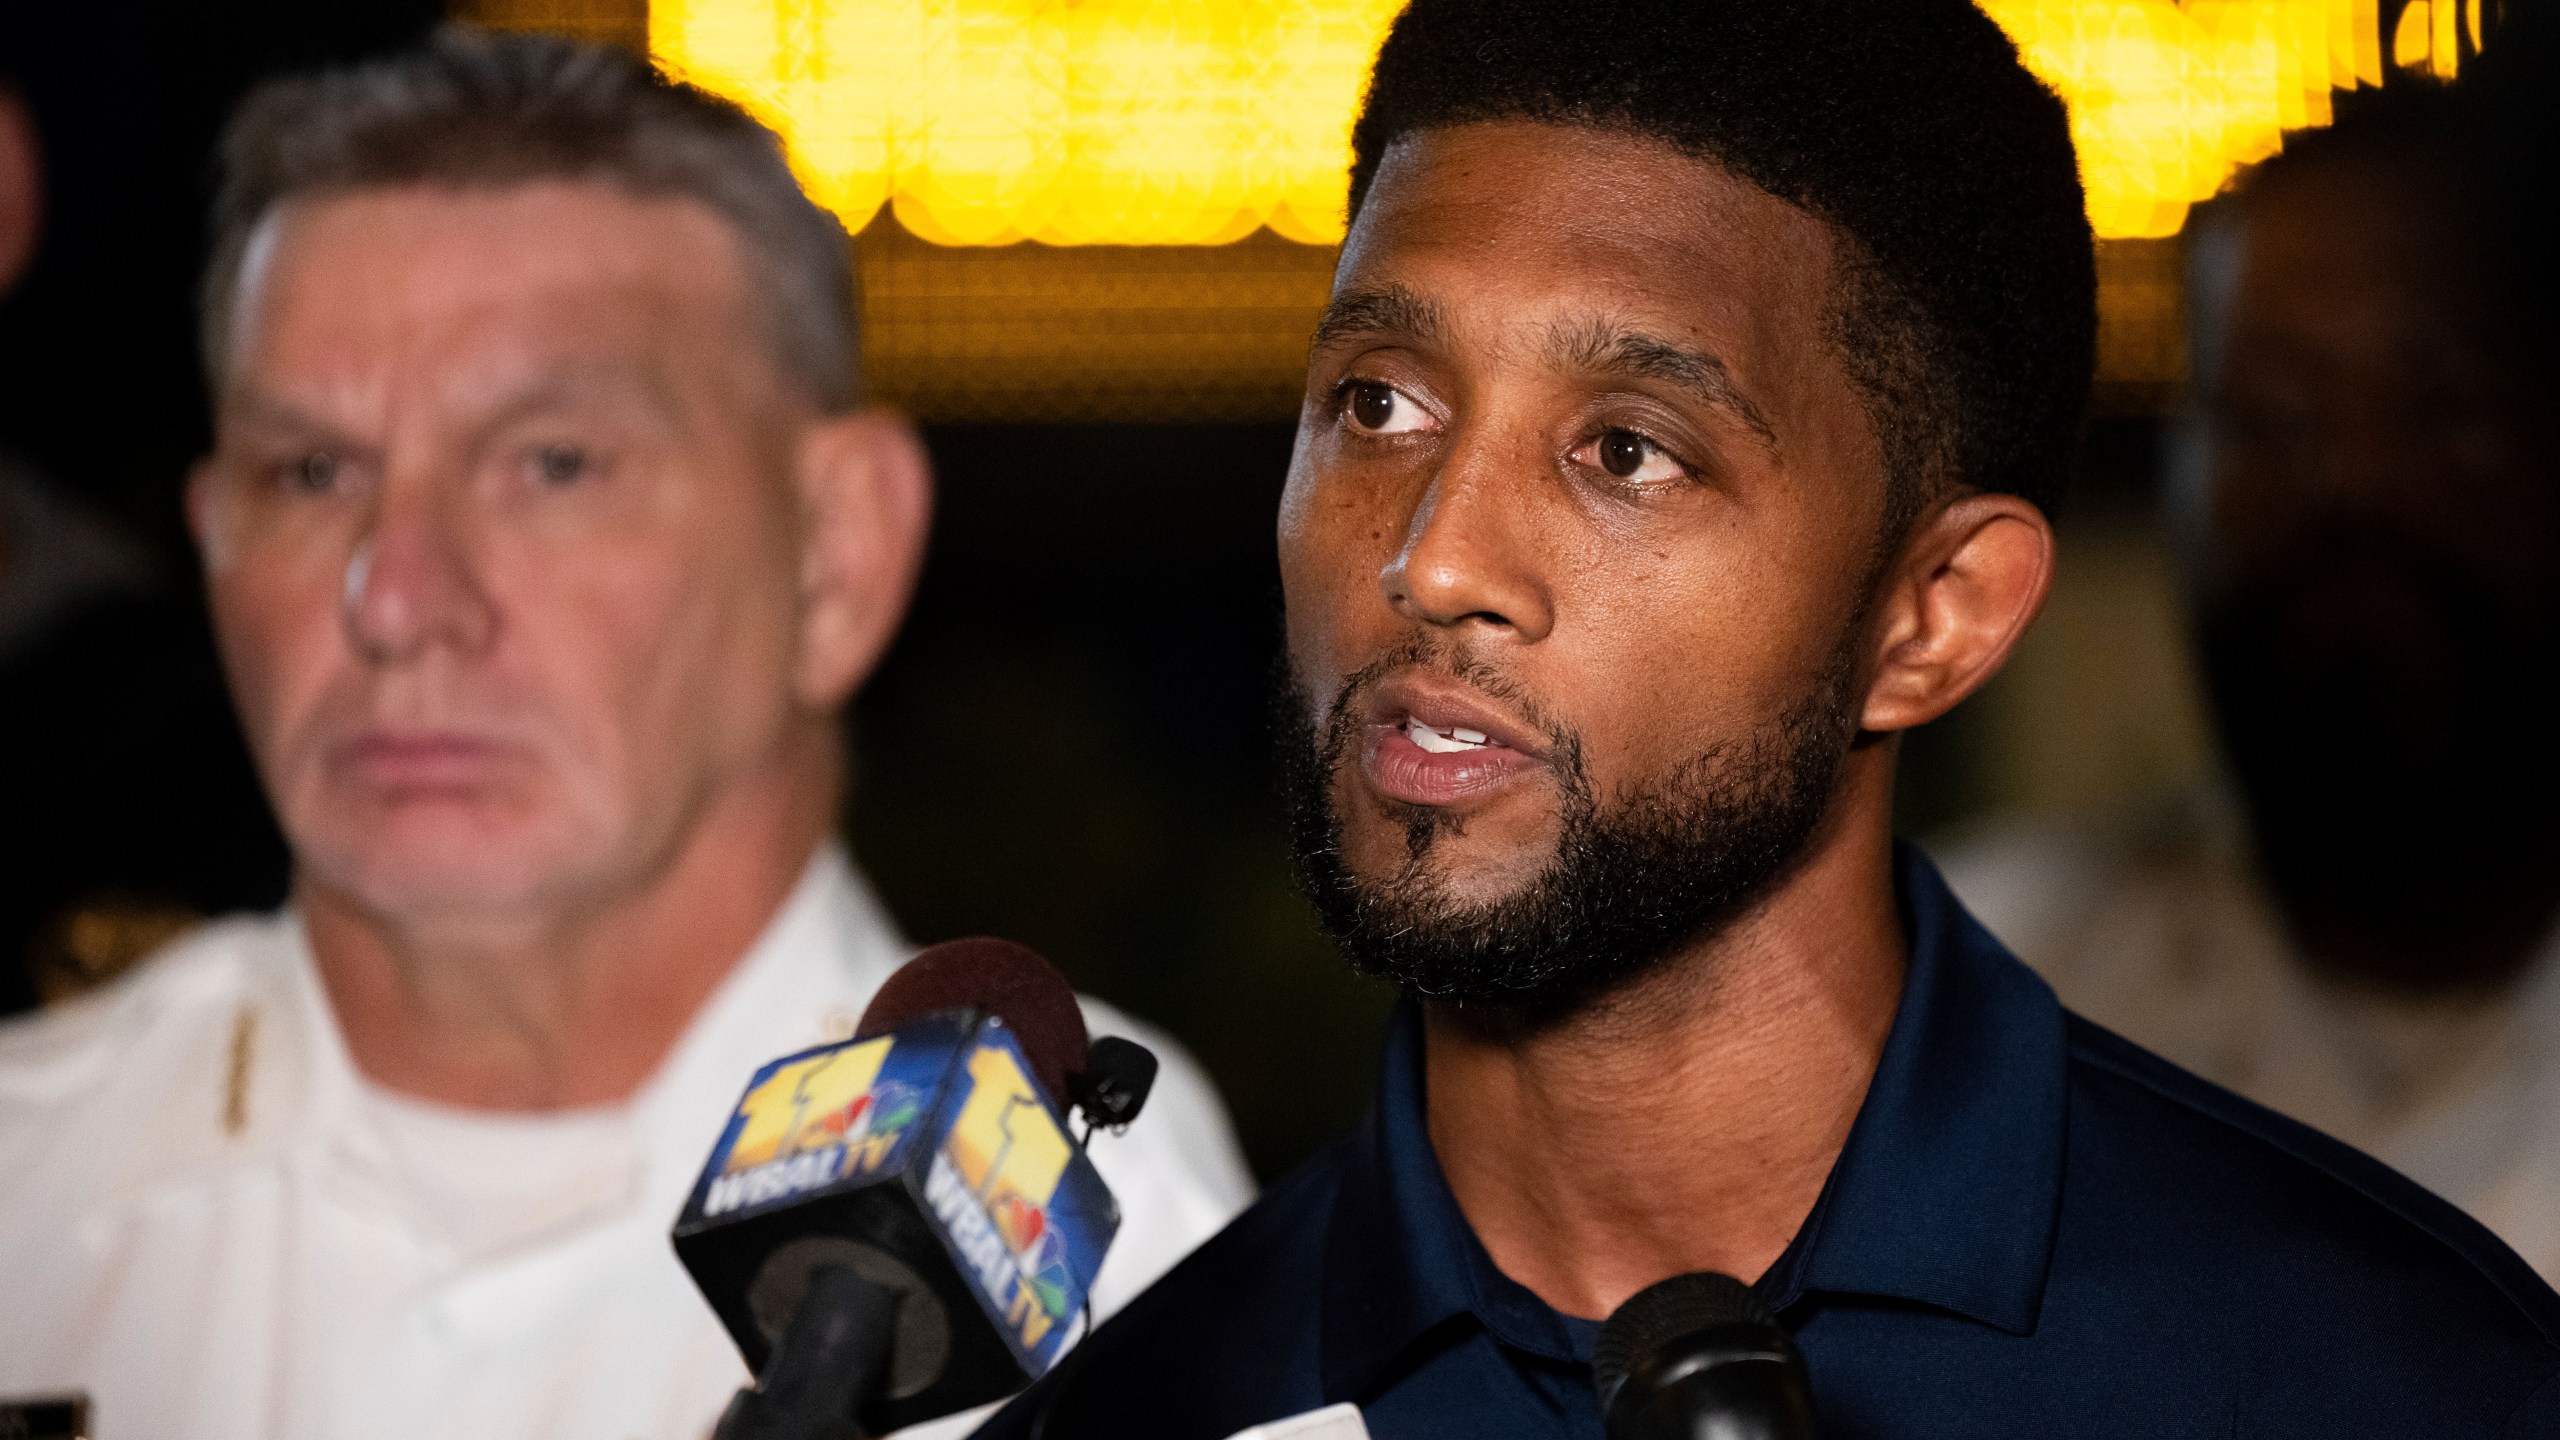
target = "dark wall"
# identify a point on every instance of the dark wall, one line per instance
(98, 379)
(1068, 746)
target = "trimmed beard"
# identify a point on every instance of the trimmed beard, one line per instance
(1673, 860)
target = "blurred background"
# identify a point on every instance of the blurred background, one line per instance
(1093, 238)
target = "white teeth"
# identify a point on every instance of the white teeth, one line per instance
(1442, 742)
(1435, 742)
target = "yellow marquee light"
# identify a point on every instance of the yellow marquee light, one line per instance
(980, 122)
(1196, 122)
(2428, 37)
(2167, 100)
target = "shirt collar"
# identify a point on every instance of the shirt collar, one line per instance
(1945, 1193)
(1400, 1259)
(804, 982)
(1949, 1188)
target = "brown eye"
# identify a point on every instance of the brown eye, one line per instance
(1626, 455)
(560, 464)
(1382, 409)
(1622, 453)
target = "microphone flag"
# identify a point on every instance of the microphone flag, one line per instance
(929, 1161)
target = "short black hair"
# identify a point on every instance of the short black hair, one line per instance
(1967, 305)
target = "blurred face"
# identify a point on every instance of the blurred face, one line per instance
(501, 538)
(1577, 541)
(2381, 615)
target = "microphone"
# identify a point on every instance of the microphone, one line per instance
(899, 1226)
(1698, 1357)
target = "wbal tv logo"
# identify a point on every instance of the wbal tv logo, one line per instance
(812, 1122)
(990, 1185)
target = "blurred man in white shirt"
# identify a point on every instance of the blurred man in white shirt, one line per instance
(546, 540)
(2365, 934)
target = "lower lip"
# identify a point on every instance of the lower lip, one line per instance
(1401, 770)
(416, 765)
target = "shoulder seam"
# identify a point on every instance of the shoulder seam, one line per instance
(2082, 1052)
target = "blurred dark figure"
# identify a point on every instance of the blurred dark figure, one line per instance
(2368, 495)
(131, 803)
(121, 771)
(2378, 605)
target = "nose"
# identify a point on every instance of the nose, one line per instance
(1469, 559)
(410, 585)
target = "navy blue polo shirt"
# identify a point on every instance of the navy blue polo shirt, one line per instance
(2035, 1229)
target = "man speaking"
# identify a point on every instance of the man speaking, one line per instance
(1696, 378)
(546, 541)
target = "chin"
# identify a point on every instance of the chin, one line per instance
(1481, 887)
(1464, 864)
(423, 865)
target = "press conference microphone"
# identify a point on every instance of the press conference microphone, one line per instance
(899, 1226)
(1698, 1357)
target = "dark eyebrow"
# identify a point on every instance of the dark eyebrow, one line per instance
(1386, 310)
(1600, 348)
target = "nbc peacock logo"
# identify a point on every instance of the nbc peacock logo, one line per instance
(1009, 1152)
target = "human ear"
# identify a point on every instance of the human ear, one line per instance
(1968, 581)
(204, 517)
(866, 497)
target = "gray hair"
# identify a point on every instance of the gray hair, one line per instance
(479, 110)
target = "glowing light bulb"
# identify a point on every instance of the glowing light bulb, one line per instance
(980, 122)
(1196, 122)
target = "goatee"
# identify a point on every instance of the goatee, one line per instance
(1634, 879)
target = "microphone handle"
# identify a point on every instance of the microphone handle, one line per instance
(828, 1362)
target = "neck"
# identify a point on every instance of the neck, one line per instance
(579, 1002)
(1686, 1122)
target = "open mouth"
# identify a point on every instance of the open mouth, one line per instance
(1448, 740)
(1417, 762)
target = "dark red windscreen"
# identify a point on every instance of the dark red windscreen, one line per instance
(1007, 980)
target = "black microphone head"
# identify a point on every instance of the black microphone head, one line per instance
(1699, 1356)
(1011, 982)
(1666, 1310)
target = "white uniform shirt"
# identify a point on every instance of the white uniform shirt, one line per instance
(217, 1229)
(2162, 932)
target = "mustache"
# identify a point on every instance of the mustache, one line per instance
(1435, 655)
(1452, 659)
